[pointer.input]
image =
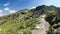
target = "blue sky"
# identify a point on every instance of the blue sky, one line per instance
(11, 6)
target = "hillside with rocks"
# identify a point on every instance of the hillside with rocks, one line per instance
(40, 20)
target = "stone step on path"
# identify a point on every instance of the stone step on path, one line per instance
(41, 28)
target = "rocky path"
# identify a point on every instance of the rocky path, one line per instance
(42, 27)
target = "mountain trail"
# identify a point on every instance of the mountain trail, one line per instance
(42, 27)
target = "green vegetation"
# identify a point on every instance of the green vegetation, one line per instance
(24, 21)
(17, 23)
(55, 24)
(51, 17)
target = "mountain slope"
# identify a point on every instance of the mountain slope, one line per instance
(24, 21)
(17, 23)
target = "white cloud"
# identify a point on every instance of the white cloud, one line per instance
(6, 4)
(1, 11)
(1, 14)
(33, 7)
(6, 8)
(12, 11)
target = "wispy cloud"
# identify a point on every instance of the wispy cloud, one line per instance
(1, 14)
(12, 11)
(33, 7)
(6, 4)
(6, 8)
(1, 11)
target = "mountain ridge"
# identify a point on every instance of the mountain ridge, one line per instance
(24, 21)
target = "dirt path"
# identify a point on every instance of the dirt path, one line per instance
(43, 27)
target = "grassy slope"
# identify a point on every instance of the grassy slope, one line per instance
(17, 24)
(22, 22)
